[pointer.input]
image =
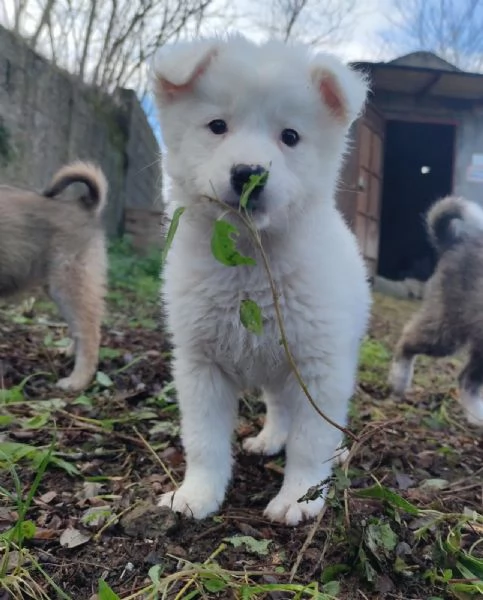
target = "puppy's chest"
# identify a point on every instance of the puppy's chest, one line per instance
(214, 322)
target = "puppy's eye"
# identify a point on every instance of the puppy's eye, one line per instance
(290, 137)
(218, 126)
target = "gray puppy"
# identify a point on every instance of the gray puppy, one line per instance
(47, 240)
(451, 315)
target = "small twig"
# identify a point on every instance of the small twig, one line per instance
(308, 541)
(147, 445)
(77, 456)
(129, 365)
(86, 424)
(346, 508)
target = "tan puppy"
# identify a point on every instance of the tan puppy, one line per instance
(50, 241)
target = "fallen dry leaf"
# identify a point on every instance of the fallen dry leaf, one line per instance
(42, 533)
(48, 497)
(71, 538)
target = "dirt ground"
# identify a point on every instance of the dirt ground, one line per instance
(118, 448)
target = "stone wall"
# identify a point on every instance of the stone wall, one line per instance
(48, 117)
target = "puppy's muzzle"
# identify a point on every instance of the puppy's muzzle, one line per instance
(240, 176)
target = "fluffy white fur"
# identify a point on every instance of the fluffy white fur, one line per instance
(259, 90)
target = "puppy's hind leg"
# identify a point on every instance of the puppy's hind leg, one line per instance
(78, 290)
(273, 436)
(471, 381)
(424, 334)
(312, 443)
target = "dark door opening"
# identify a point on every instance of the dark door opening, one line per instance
(418, 169)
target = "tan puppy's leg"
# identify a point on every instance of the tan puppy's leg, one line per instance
(78, 290)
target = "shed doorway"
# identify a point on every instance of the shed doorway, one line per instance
(418, 169)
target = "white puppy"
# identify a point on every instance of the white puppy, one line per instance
(230, 108)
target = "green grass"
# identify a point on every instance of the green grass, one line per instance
(374, 359)
(134, 283)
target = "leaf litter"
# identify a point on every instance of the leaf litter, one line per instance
(384, 531)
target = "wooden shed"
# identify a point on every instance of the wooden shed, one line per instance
(421, 138)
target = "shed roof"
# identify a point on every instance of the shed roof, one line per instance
(437, 78)
(421, 58)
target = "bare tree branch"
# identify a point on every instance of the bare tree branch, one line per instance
(452, 30)
(43, 21)
(87, 38)
(317, 22)
(19, 7)
(107, 42)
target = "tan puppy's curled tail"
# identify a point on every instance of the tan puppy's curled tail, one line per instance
(81, 172)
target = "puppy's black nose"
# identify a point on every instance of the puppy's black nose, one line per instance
(240, 175)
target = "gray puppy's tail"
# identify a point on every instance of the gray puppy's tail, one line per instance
(81, 172)
(452, 220)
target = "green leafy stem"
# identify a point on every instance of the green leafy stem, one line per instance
(223, 247)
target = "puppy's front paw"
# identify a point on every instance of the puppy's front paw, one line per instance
(196, 502)
(284, 508)
(264, 443)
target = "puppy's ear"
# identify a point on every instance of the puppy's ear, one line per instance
(177, 67)
(342, 89)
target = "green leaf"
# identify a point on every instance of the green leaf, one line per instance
(332, 588)
(173, 227)
(382, 493)
(215, 585)
(155, 573)
(473, 563)
(37, 421)
(223, 245)
(109, 353)
(253, 182)
(105, 592)
(6, 420)
(12, 395)
(251, 316)
(330, 573)
(13, 452)
(28, 529)
(68, 467)
(380, 539)
(368, 570)
(84, 401)
(103, 379)
(254, 546)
